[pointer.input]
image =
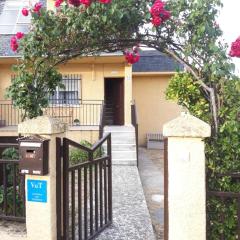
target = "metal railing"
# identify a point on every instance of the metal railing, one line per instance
(224, 203)
(135, 124)
(102, 121)
(81, 113)
(9, 114)
(12, 187)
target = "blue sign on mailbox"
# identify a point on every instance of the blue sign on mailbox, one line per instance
(37, 191)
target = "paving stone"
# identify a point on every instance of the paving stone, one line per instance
(131, 219)
(152, 178)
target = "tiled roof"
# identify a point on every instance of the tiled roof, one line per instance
(155, 61)
(5, 49)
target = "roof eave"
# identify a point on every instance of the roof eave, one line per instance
(142, 74)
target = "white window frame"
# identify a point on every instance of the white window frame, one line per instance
(77, 88)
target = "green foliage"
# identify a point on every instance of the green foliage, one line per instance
(11, 154)
(10, 201)
(192, 37)
(78, 156)
(186, 93)
(222, 151)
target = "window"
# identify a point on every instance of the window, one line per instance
(11, 18)
(70, 94)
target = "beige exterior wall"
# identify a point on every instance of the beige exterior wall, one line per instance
(5, 78)
(152, 107)
(147, 89)
(93, 71)
(78, 136)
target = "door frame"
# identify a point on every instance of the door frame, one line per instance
(122, 80)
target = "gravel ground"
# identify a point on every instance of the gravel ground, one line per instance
(12, 230)
(152, 177)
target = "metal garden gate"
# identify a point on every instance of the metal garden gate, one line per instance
(12, 184)
(84, 190)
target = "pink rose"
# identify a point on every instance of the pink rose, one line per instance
(235, 49)
(156, 21)
(37, 7)
(87, 3)
(165, 15)
(75, 3)
(132, 57)
(19, 35)
(14, 44)
(159, 13)
(25, 12)
(105, 1)
(58, 3)
(157, 8)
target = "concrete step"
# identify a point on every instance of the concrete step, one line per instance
(116, 135)
(122, 147)
(114, 129)
(124, 155)
(109, 121)
(123, 140)
(125, 162)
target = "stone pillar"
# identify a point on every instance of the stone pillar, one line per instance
(41, 216)
(186, 178)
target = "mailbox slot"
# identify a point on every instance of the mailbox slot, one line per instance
(34, 154)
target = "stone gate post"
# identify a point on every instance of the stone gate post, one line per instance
(186, 193)
(41, 215)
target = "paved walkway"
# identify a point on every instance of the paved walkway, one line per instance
(12, 230)
(131, 219)
(151, 173)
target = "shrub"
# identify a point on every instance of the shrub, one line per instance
(78, 156)
(11, 154)
(222, 150)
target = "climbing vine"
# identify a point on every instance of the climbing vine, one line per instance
(186, 30)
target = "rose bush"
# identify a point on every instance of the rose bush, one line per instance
(186, 30)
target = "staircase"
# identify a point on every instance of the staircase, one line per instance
(109, 114)
(123, 145)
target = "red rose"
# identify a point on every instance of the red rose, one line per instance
(25, 12)
(157, 8)
(132, 57)
(58, 3)
(105, 1)
(165, 15)
(87, 3)
(13, 40)
(19, 35)
(37, 7)
(235, 49)
(159, 13)
(156, 21)
(75, 3)
(14, 44)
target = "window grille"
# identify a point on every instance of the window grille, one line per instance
(71, 93)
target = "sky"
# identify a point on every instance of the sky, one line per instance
(229, 21)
